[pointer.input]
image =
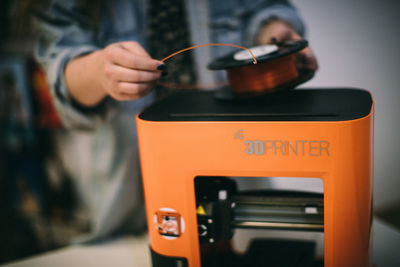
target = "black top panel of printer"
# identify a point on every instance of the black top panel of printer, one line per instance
(294, 105)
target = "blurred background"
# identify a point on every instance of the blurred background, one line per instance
(37, 198)
(356, 43)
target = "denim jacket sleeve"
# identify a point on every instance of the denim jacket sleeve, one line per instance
(65, 35)
(266, 10)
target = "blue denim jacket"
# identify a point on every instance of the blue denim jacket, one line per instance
(112, 172)
(66, 35)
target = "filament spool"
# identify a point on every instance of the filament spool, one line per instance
(264, 77)
(275, 70)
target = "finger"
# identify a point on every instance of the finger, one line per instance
(130, 97)
(125, 58)
(124, 97)
(135, 48)
(134, 88)
(122, 74)
(146, 91)
(281, 32)
(280, 36)
(147, 64)
(306, 60)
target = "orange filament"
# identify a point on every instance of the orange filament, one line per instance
(259, 78)
(264, 77)
(213, 44)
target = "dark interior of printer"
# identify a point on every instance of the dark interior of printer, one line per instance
(283, 218)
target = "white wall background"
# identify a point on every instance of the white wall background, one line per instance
(357, 44)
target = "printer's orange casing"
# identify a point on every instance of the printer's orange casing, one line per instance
(176, 148)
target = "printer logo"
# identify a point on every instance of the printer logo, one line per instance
(280, 147)
(238, 134)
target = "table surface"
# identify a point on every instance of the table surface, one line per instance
(134, 252)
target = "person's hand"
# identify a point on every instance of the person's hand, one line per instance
(279, 31)
(127, 71)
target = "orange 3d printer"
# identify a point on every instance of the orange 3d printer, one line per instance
(208, 166)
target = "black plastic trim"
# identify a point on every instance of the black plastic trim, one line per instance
(296, 105)
(159, 260)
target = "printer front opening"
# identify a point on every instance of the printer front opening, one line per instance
(260, 221)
